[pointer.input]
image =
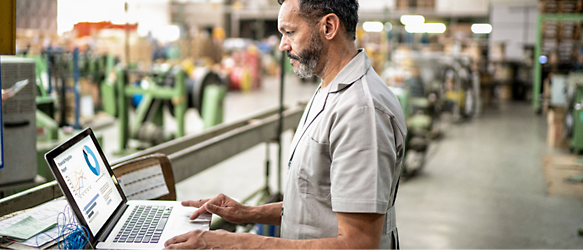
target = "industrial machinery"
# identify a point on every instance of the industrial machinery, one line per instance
(419, 114)
(460, 88)
(573, 124)
(156, 90)
(421, 106)
(19, 122)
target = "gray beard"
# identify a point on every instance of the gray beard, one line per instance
(310, 57)
(306, 70)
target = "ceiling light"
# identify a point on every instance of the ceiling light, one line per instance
(425, 28)
(372, 26)
(412, 19)
(481, 28)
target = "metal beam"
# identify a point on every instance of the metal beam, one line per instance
(194, 159)
(178, 144)
(189, 155)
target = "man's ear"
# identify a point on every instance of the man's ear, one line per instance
(330, 26)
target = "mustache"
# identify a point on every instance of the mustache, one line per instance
(290, 56)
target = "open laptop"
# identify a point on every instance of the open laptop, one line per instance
(94, 194)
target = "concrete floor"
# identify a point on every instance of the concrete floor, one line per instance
(483, 184)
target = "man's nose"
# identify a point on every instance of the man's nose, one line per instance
(283, 45)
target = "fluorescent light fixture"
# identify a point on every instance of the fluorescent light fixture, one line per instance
(372, 26)
(425, 28)
(412, 19)
(388, 27)
(435, 27)
(481, 28)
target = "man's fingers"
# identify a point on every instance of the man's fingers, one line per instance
(176, 239)
(197, 203)
(198, 212)
(213, 209)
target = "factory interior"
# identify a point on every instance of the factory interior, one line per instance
(198, 90)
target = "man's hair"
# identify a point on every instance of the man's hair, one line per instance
(346, 10)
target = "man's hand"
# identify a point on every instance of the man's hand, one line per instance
(223, 206)
(196, 240)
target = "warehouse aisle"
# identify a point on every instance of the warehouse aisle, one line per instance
(484, 187)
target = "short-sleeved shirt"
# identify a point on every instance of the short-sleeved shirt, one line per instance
(346, 156)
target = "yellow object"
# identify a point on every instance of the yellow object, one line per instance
(188, 66)
(218, 33)
(252, 49)
(456, 96)
(246, 81)
(360, 33)
(7, 27)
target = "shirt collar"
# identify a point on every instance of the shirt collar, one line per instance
(353, 71)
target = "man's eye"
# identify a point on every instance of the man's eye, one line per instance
(289, 33)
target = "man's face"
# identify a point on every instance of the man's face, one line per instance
(300, 40)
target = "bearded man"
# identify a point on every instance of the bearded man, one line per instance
(346, 155)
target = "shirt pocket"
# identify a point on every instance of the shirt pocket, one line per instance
(314, 170)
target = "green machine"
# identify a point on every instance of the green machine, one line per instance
(574, 114)
(418, 110)
(155, 90)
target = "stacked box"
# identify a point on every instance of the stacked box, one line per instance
(548, 6)
(412, 4)
(573, 6)
(560, 39)
(555, 133)
(561, 6)
(569, 30)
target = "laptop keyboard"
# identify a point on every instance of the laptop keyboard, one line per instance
(145, 225)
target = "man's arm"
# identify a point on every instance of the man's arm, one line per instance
(235, 212)
(354, 231)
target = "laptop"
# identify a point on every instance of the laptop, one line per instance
(99, 204)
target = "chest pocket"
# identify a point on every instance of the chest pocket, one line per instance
(313, 169)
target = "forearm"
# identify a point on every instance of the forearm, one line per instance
(269, 214)
(253, 241)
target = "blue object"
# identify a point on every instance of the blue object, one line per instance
(94, 167)
(76, 76)
(269, 232)
(137, 98)
(543, 59)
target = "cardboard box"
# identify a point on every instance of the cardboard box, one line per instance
(505, 92)
(555, 133)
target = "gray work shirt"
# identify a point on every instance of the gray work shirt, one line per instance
(346, 157)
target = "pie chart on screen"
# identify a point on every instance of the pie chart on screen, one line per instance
(91, 161)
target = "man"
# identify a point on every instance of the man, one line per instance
(346, 155)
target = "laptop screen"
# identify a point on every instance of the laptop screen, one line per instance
(89, 182)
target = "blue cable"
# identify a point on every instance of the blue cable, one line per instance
(73, 235)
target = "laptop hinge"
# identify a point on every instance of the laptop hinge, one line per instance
(109, 227)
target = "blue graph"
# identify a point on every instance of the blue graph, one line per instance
(95, 166)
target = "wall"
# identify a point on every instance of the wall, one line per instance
(462, 7)
(38, 15)
(515, 25)
(376, 5)
(204, 15)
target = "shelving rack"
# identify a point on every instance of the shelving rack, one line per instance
(537, 71)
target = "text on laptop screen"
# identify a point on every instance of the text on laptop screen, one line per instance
(88, 180)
